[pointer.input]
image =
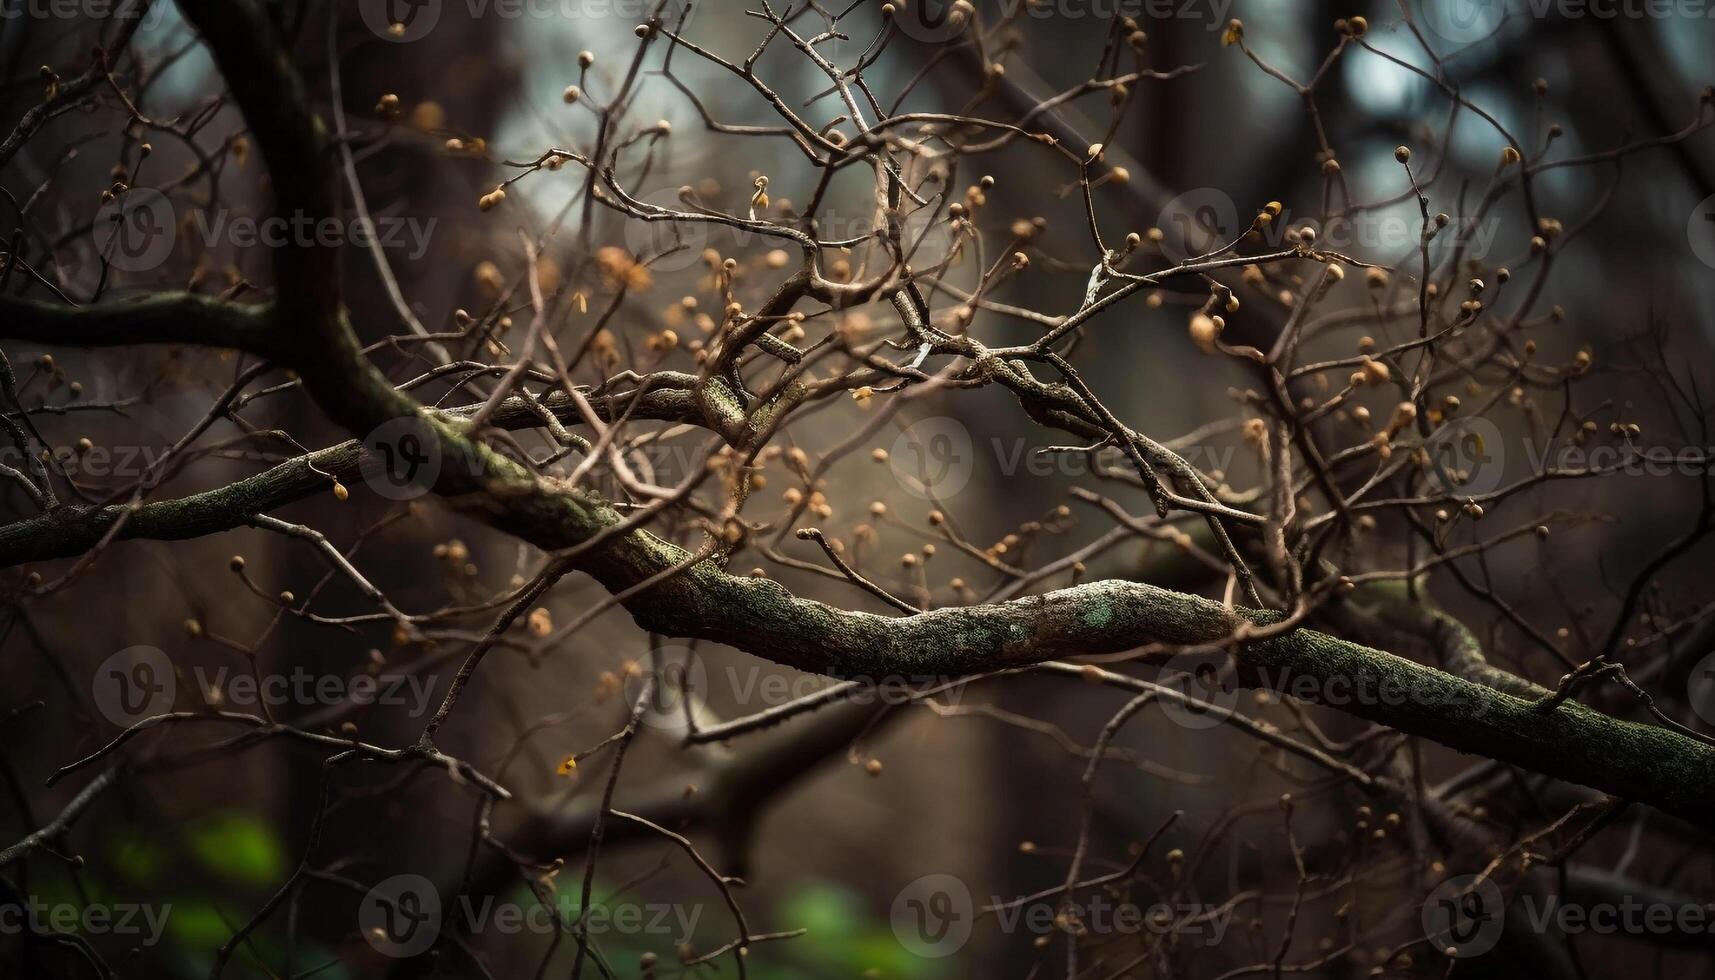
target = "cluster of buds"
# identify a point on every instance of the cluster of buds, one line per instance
(1352, 26)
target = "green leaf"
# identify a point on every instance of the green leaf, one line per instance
(238, 848)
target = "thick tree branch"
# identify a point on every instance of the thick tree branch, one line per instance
(160, 318)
